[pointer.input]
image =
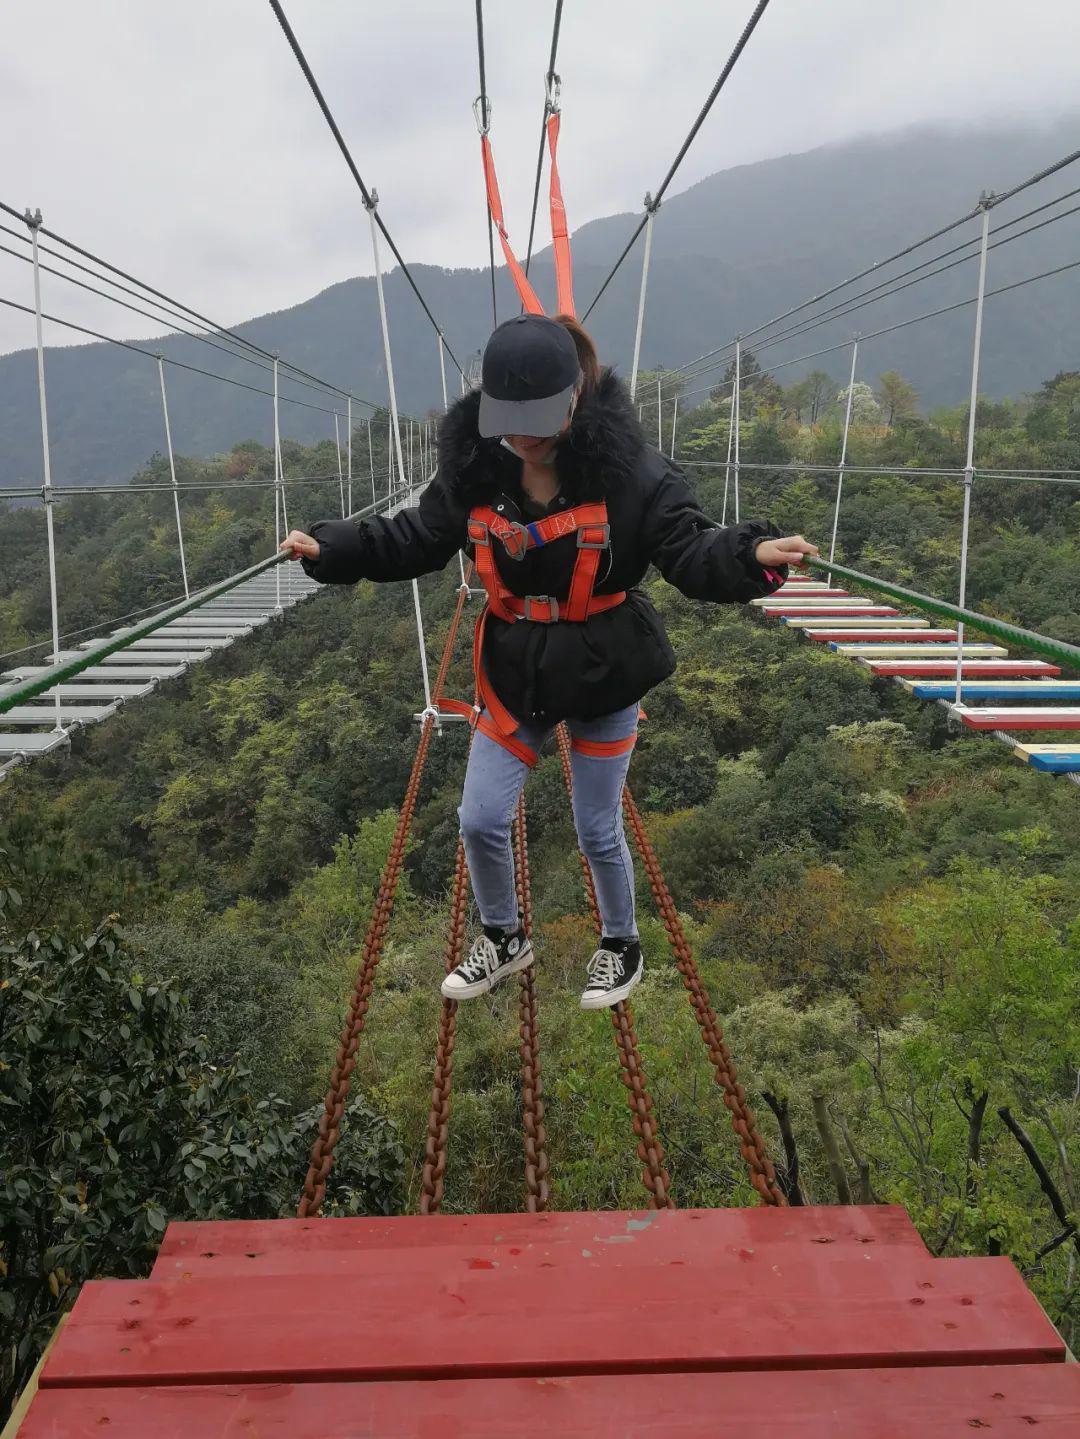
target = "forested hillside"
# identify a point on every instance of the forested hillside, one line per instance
(885, 913)
(730, 252)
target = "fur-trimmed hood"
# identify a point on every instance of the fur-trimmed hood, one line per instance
(601, 450)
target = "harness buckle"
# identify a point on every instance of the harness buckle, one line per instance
(515, 539)
(549, 602)
(478, 531)
(585, 543)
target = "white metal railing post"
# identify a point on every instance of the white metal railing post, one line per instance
(396, 437)
(279, 495)
(843, 454)
(674, 422)
(340, 471)
(659, 416)
(348, 448)
(371, 460)
(442, 370)
(985, 202)
(651, 207)
(727, 462)
(172, 471)
(33, 221)
(394, 426)
(738, 418)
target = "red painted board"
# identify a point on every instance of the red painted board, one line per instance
(943, 1403)
(486, 1323)
(310, 1246)
(1066, 718)
(974, 669)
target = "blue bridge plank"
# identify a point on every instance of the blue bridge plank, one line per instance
(1010, 690)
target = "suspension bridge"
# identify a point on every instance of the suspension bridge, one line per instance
(813, 1320)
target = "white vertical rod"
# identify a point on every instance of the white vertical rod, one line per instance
(391, 489)
(651, 211)
(843, 453)
(172, 471)
(340, 471)
(279, 498)
(396, 432)
(348, 448)
(738, 414)
(659, 417)
(371, 460)
(34, 223)
(411, 469)
(674, 421)
(394, 426)
(727, 462)
(442, 371)
(969, 463)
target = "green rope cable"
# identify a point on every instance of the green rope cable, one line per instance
(11, 695)
(1057, 650)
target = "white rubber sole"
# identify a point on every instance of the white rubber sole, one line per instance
(608, 999)
(489, 982)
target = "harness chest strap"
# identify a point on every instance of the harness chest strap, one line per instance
(590, 523)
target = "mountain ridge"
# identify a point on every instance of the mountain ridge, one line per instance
(729, 252)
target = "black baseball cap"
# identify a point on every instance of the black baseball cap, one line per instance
(529, 375)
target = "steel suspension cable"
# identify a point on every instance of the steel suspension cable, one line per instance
(733, 58)
(550, 79)
(369, 201)
(854, 303)
(203, 338)
(484, 123)
(937, 234)
(220, 329)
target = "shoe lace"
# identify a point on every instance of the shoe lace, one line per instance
(605, 967)
(483, 959)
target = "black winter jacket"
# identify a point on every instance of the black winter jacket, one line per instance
(547, 672)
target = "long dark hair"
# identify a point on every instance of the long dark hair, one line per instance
(586, 350)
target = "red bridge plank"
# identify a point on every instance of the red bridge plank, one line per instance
(486, 1323)
(310, 1246)
(973, 669)
(945, 1403)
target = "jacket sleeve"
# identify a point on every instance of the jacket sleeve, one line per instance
(413, 542)
(704, 560)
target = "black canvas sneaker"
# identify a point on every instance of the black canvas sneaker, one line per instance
(614, 970)
(495, 954)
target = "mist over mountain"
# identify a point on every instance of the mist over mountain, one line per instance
(733, 251)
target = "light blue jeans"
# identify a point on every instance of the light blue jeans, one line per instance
(494, 780)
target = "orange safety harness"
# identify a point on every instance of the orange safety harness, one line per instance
(589, 522)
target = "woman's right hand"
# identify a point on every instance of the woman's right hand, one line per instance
(300, 544)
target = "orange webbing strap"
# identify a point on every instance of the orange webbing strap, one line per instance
(484, 560)
(524, 289)
(560, 238)
(603, 748)
(517, 538)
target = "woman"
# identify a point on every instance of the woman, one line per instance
(546, 480)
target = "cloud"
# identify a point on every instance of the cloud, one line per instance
(180, 139)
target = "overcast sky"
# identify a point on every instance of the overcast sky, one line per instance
(178, 138)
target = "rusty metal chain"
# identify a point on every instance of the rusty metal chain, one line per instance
(532, 1084)
(321, 1157)
(650, 1151)
(322, 1151)
(431, 1182)
(762, 1173)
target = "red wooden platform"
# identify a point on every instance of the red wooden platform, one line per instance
(809, 1322)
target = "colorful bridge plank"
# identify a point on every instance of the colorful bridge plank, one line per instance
(997, 689)
(1053, 758)
(1061, 717)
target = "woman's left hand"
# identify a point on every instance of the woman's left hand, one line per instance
(788, 551)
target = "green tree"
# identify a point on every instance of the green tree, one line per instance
(896, 396)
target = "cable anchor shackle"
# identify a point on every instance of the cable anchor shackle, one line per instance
(552, 93)
(32, 218)
(371, 200)
(481, 109)
(651, 205)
